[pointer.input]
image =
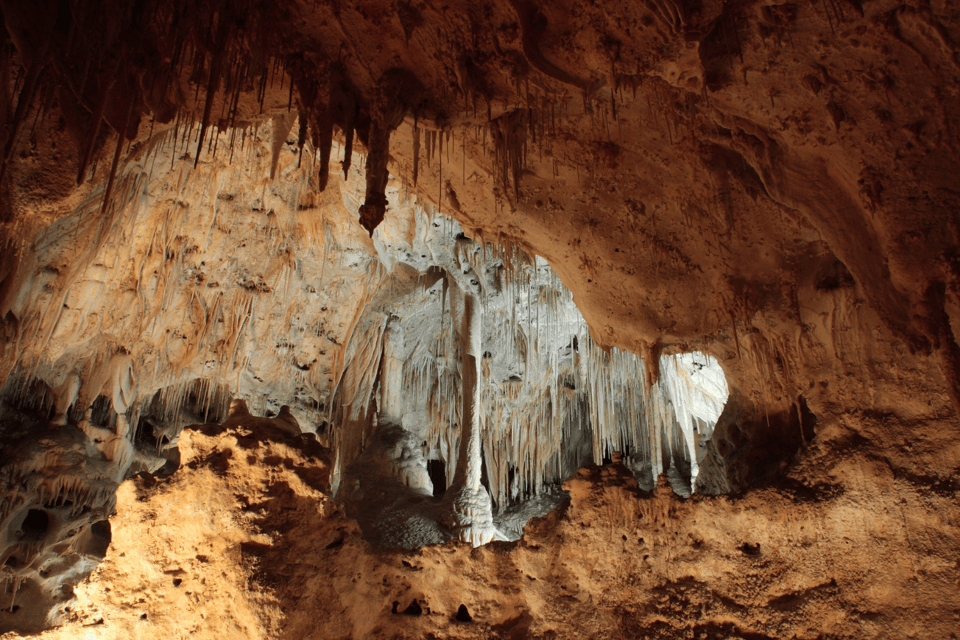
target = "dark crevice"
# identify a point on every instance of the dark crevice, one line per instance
(35, 526)
(437, 471)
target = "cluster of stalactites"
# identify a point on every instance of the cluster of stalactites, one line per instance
(154, 422)
(172, 408)
(551, 398)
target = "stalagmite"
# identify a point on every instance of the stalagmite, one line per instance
(468, 498)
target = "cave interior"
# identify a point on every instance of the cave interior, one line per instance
(484, 319)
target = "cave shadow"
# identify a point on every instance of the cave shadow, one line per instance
(752, 448)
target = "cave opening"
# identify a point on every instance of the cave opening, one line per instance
(34, 526)
(492, 337)
(438, 476)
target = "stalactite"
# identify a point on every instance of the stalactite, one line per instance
(282, 124)
(221, 45)
(416, 152)
(97, 122)
(28, 90)
(121, 133)
(565, 388)
(394, 90)
(509, 139)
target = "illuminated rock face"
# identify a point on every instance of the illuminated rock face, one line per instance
(477, 353)
(751, 204)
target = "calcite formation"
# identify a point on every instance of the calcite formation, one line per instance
(443, 331)
(486, 258)
(58, 492)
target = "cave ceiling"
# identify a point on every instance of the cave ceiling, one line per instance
(204, 199)
(669, 159)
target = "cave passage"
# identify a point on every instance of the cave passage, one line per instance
(546, 399)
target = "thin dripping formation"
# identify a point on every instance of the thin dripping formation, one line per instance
(550, 400)
(230, 54)
(509, 133)
(388, 367)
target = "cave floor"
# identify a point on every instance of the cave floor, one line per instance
(244, 541)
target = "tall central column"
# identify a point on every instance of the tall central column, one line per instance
(470, 502)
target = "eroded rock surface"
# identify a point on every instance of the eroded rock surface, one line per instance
(57, 492)
(766, 188)
(254, 548)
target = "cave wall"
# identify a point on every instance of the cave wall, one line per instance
(767, 183)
